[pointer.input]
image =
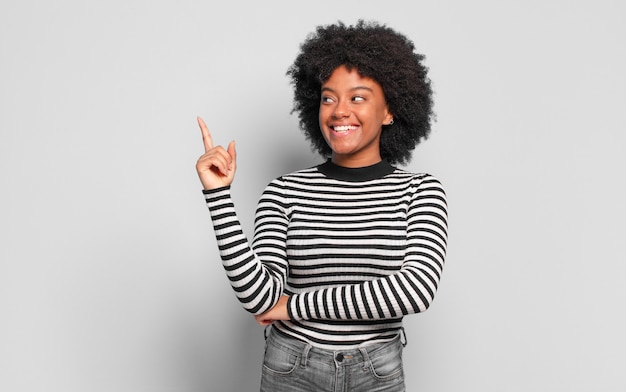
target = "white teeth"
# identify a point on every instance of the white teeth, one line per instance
(343, 128)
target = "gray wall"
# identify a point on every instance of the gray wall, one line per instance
(109, 276)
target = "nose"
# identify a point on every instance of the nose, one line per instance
(341, 110)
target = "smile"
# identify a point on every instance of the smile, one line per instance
(344, 128)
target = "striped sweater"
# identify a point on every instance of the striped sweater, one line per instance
(355, 249)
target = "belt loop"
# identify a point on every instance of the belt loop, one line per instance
(305, 355)
(366, 357)
(403, 339)
(265, 331)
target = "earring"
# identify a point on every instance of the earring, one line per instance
(390, 122)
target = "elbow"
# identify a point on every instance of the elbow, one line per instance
(424, 301)
(425, 305)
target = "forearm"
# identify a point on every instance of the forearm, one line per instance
(386, 298)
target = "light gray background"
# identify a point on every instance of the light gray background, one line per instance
(109, 275)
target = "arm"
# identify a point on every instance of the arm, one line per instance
(257, 277)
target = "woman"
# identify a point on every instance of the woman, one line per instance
(343, 250)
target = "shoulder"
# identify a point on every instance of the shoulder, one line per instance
(295, 180)
(423, 188)
(420, 180)
(308, 175)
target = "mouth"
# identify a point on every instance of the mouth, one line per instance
(343, 128)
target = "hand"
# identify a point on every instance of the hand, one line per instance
(278, 312)
(216, 168)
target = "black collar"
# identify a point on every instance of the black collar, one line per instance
(367, 173)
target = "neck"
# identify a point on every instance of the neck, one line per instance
(353, 162)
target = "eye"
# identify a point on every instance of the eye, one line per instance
(358, 98)
(326, 99)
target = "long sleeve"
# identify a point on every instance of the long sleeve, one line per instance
(257, 285)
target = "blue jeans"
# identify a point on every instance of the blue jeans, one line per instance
(291, 365)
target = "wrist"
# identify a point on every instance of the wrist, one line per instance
(288, 305)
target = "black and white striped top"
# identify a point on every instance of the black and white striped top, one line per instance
(355, 249)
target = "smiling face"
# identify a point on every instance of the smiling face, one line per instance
(353, 110)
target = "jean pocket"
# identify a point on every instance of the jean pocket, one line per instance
(279, 361)
(387, 365)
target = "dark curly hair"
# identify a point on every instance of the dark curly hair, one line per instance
(375, 51)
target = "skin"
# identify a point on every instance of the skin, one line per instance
(352, 113)
(216, 167)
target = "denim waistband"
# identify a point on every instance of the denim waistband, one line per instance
(339, 357)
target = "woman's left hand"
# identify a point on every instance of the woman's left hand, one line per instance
(278, 312)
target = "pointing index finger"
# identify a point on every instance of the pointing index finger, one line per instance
(206, 135)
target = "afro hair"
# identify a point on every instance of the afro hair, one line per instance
(375, 51)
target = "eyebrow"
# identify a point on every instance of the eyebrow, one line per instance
(351, 89)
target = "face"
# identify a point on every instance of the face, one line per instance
(352, 112)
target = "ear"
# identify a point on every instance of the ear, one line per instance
(388, 119)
